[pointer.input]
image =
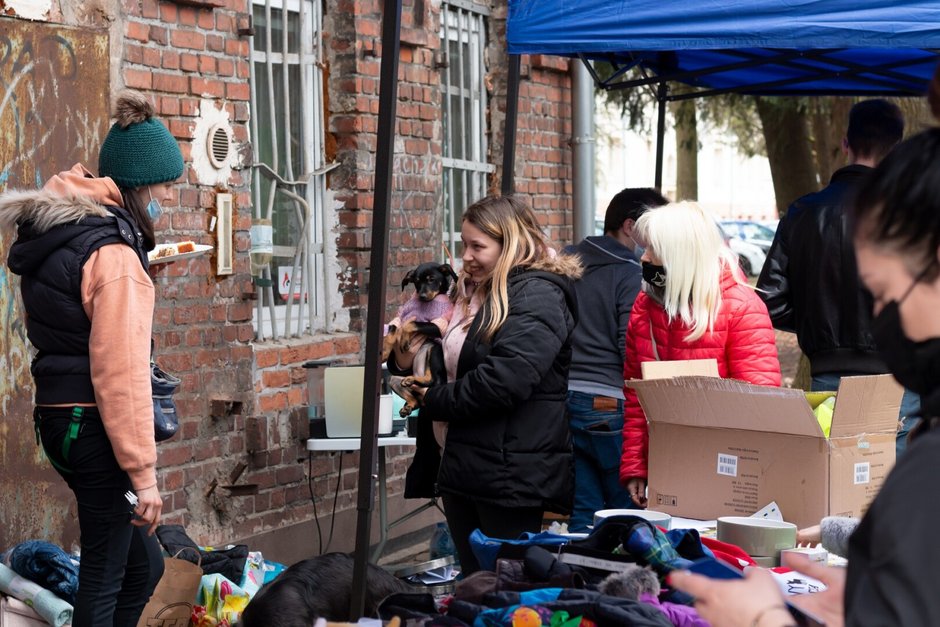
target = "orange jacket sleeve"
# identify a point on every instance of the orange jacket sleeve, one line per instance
(118, 297)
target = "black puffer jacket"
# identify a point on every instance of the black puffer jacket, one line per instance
(810, 281)
(508, 441)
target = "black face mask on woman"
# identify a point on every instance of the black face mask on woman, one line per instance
(916, 365)
(654, 276)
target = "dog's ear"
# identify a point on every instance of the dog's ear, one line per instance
(409, 278)
(448, 271)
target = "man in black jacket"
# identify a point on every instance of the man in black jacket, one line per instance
(810, 280)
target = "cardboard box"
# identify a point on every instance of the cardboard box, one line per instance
(720, 447)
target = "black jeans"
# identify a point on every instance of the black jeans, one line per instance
(466, 514)
(120, 563)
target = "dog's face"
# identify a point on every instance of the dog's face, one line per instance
(430, 279)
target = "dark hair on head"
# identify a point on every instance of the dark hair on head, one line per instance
(141, 217)
(630, 204)
(898, 207)
(875, 127)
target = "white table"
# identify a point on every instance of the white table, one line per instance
(354, 444)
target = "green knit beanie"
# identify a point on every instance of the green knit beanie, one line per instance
(139, 150)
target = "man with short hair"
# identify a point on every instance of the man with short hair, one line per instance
(810, 280)
(606, 292)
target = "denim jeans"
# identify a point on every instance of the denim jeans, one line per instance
(909, 414)
(598, 445)
(120, 563)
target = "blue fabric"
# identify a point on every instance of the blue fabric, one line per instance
(598, 444)
(502, 616)
(712, 33)
(909, 412)
(486, 549)
(46, 564)
(654, 548)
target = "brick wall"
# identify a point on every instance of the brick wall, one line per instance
(242, 402)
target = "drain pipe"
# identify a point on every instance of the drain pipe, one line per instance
(582, 144)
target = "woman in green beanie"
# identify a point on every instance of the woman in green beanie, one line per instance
(81, 252)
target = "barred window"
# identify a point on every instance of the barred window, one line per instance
(463, 42)
(288, 173)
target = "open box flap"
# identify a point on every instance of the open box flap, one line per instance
(726, 403)
(866, 404)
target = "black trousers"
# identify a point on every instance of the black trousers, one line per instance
(120, 563)
(465, 514)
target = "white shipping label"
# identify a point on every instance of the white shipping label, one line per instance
(727, 465)
(862, 473)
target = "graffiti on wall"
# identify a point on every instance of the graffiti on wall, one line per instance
(54, 94)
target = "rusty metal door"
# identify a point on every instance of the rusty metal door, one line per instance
(54, 112)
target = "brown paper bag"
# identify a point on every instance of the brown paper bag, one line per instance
(172, 602)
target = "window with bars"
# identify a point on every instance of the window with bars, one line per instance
(463, 42)
(288, 184)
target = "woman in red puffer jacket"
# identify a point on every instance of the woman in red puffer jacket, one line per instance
(694, 304)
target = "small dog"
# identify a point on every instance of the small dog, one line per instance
(422, 318)
(319, 587)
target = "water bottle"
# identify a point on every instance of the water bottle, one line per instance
(442, 543)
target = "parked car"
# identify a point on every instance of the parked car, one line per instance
(750, 231)
(750, 256)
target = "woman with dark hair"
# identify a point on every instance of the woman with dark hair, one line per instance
(81, 254)
(506, 455)
(893, 553)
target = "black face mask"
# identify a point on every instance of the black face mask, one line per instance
(654, 275)
(916, 365)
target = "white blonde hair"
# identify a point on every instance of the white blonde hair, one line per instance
(689, 244)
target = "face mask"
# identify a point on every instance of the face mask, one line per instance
(654, 275)
(637, 249)
(916, 365)
(154, 210)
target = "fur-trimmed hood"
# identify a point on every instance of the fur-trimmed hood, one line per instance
(66, 198)
(562, 264)
(47, 219)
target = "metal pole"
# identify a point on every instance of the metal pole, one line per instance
(660, 135)
(509, 134)
(582, 143)
(378, 263)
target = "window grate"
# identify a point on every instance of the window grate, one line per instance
(288, 169)
(464, 159)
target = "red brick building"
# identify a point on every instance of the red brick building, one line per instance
(276, 107)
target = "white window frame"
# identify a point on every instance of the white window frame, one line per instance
(465, 22)
(308, 315)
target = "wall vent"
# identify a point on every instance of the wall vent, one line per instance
(219, 145)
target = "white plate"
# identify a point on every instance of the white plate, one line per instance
(201, 249)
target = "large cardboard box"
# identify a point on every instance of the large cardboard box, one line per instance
(720, 447)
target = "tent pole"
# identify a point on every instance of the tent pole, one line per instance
(582, 144)
(378, 264)
(509, 132)
(660, 134)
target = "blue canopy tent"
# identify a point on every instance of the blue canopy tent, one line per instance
(759, 47)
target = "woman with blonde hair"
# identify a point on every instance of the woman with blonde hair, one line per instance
(507, 454)
(693, 304)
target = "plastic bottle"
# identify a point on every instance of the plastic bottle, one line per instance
(442, 543)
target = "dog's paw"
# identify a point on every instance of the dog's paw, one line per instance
(406, 410)
(407, 382)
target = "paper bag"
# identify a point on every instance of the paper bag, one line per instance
(172, 602)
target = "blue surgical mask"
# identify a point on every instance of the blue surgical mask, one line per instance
(154, 210)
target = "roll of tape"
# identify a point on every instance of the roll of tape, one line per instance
(757, 536)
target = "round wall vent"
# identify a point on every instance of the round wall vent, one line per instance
(219, 145)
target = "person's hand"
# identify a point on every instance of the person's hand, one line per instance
(828, 605)
(755, 601)
(636, 488)
(811, 536)
(149, 506)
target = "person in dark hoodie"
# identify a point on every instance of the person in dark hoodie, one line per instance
(610, 282)
(81, 254)
(506, 455)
